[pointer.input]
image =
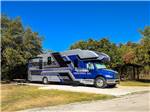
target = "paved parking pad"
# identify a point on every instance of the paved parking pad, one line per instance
(118, 91)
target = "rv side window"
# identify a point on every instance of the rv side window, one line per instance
(40, 63)
(35, 62)
(49, 61)
(75, 63)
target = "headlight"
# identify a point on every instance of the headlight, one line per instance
(109, 76)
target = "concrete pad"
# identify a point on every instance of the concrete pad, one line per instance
(118, 91)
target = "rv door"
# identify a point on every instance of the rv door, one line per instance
(40, 63)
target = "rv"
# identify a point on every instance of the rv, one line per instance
(79, 66)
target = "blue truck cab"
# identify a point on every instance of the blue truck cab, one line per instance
(82, 66)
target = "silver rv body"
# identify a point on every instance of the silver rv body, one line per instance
(60, 67)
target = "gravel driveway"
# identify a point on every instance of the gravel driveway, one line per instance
(129, 103)
(118, 91)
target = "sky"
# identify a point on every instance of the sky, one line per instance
(64, 23)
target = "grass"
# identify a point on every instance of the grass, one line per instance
(19, 97)
(134, 83)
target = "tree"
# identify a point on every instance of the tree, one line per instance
(143, 50)
(129, 57)
(127, 52)
(18, 45)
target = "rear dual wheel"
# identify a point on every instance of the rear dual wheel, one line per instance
(45, 80)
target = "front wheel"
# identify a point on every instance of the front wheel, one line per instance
(45, 80)
(100, 82)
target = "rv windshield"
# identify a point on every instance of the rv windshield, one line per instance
(99, 65)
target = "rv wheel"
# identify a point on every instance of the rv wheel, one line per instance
(100, 82)
(45, 80)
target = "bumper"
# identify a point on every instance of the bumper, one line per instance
(113, 81)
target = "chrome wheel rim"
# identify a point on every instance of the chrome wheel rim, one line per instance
(99, 82)
(45, 80)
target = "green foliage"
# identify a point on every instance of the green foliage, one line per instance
(127, 52)
(143, 50)
(18, 45)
